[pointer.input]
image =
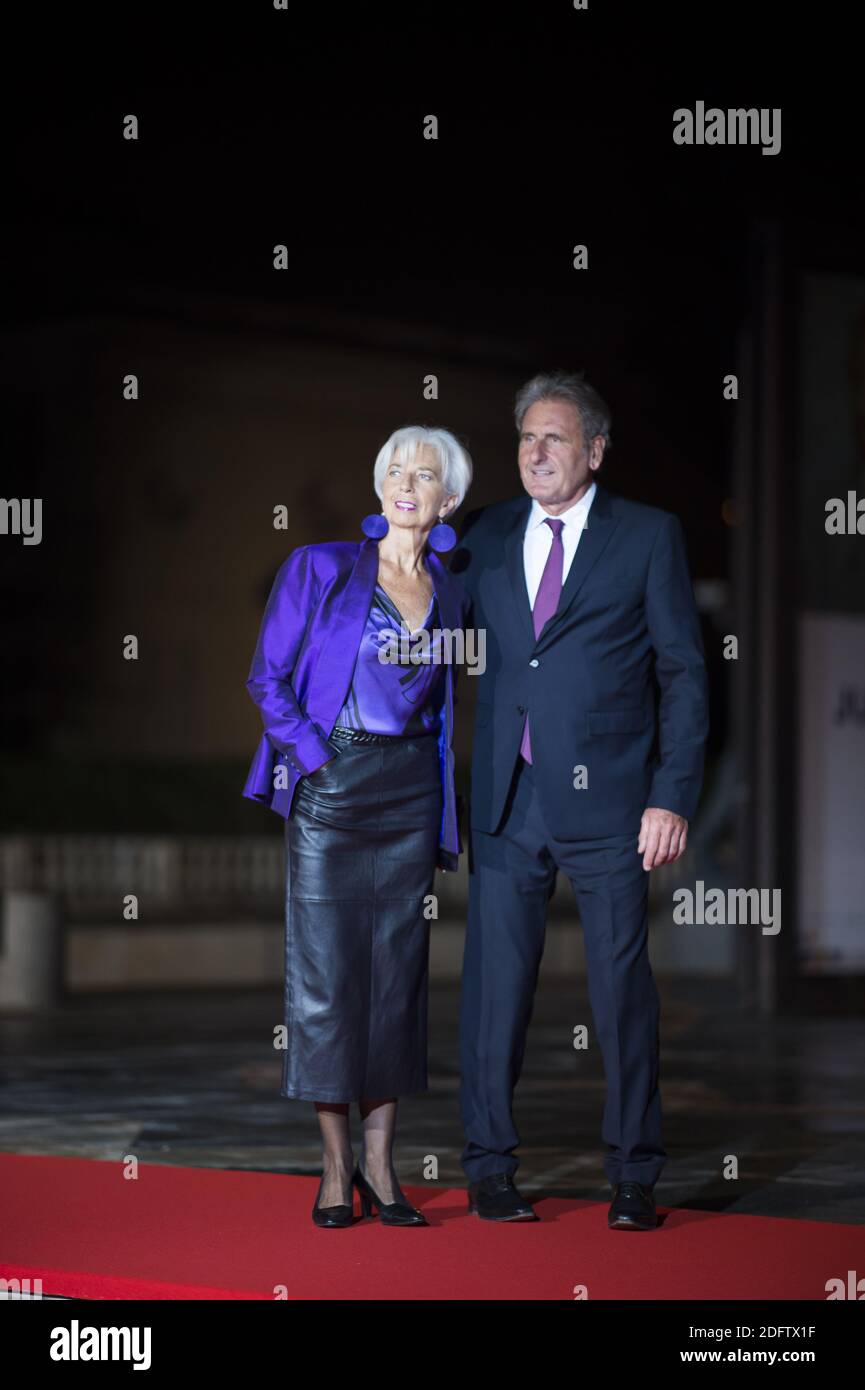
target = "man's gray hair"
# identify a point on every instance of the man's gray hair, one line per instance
(573, 388)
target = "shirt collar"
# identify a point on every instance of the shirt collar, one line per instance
(574, 516)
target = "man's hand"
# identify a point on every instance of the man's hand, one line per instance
(663, 836)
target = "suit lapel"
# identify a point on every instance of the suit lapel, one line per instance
(446, 592)
(515, 564)
(344, 636)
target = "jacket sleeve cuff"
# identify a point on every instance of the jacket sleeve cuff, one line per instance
(668, 798)
(309, 751)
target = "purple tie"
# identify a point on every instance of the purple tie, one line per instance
(547, 600)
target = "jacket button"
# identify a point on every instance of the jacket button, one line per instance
(521, 709)
(534, 661)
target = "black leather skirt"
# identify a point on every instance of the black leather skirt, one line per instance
(361, 846)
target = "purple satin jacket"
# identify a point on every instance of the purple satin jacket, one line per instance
(304, 661)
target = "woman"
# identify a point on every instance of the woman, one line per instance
(357, 754)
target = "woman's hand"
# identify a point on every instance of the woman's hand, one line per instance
(321, 766)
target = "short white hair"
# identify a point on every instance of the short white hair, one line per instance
(455, 461)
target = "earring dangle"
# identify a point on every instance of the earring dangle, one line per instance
(442, 537)
(375, 526)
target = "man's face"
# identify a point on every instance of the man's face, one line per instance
(556, 463)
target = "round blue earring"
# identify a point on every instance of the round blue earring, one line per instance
(442, 537)
(375, 526)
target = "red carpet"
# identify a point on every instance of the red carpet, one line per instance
(202, 1233)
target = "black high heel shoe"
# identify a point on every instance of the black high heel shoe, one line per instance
(391, 1213)
(342, 1215)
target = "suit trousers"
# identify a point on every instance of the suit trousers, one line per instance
(511, 881)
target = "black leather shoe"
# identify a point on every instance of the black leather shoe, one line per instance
(632, 1208)
(391, 1213)
(496, 1199)
(342, 1215)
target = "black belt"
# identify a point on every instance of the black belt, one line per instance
(361, 736)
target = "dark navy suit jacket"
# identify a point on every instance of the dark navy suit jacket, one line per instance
(616, 682)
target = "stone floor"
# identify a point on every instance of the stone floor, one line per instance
(193, 1079)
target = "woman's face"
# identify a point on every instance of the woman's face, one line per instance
(413, 495)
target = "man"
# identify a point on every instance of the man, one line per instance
(588, 757)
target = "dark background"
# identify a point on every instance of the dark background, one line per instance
(257, 127)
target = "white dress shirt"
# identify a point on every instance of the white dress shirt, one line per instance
(538, 539)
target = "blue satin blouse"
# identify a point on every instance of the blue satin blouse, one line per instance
(388, 697)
